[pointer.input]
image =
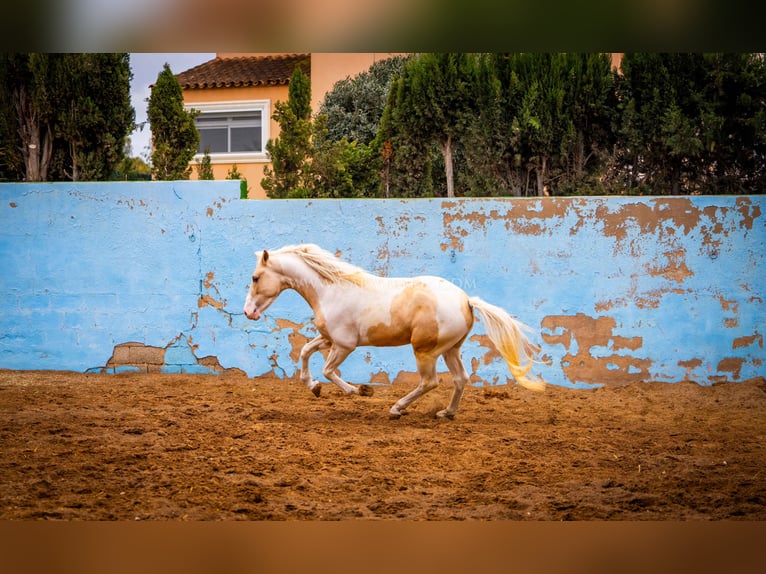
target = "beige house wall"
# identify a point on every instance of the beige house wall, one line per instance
(251, 170)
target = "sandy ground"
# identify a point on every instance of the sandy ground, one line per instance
(192, 447)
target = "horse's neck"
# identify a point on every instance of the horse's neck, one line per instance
(307, 282)
(301, 278)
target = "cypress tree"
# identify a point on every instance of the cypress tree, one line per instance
(174, 136)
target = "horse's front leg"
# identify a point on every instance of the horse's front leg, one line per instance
(330, 370)
(309, 349)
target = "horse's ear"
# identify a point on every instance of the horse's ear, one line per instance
(264, 257)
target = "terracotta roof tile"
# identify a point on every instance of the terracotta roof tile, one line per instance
(245, 71)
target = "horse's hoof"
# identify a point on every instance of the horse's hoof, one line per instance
(366, 390)
(317, 389)
(445, 415)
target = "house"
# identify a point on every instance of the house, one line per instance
(235, 95)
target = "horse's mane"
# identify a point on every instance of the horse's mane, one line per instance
(325, 264)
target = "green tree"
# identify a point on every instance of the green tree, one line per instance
(591, 104)
(174, 136)
(25, 82)
(11, 161)
(289, 173)
(355, 105)
(434, 100)
(132, 168)
(662, 109)
(64, 116)
(492, 146)
(733, 125)
(348, 158)
(233, 173)
(205, 166)
(94, 114)
(542, 117)
(307, 161)
(340, 168)
(406, 161)
(546, 128)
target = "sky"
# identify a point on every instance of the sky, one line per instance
(146, 67)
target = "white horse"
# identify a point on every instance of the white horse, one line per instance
(354, 308)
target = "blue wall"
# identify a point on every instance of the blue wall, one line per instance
(617, 289)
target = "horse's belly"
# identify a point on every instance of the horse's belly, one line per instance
(413, 315)
(386, 335)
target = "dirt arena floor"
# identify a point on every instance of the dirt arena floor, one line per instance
(191, 447)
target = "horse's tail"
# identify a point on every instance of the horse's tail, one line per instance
(507, 335)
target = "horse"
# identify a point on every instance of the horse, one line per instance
(354, 308)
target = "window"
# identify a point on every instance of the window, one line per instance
(232, 131)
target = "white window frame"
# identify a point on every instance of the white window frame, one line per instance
(239, 106)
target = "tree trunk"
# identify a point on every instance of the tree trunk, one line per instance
(526, 182)
(675, 180)
(31, 153)
(36, 151)
(540, 171)
(73, 144)
(47, 152)
(387, 153)
(580, 159)
(36, 141)
(447, 153)
(75, 175)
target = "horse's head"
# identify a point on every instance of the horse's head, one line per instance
(265, 286)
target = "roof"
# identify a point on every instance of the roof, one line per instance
(245, 71)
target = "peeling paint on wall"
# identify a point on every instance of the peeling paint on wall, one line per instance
(296, 339)
(616, 289)
(177, 357)
(582, 336)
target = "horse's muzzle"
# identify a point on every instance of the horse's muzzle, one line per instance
(251, 310)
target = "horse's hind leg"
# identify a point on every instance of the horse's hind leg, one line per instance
(428, 381)
(309, 349)
(459, 379)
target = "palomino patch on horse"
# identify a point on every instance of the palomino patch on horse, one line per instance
(354, 308)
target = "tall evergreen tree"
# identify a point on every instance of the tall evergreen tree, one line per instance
(435, 99)
(307, 161)
(661, 99)
(591, 104)
(289, 174)
(407, 161)
(94, 115)
(733, 126)
(175, 138)
(546, 127)
(25, 80)
(541, 117)
(492, 144)
(64, 116)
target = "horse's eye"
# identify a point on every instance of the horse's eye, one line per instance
(255, 279)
